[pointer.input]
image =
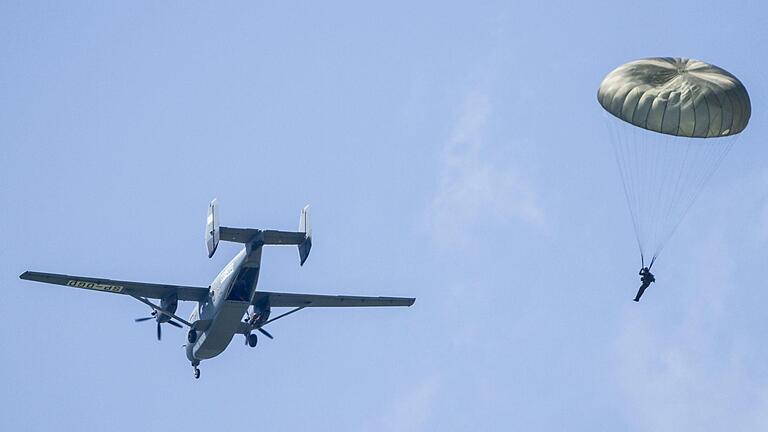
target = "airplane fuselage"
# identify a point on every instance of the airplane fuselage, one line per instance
(230, 296)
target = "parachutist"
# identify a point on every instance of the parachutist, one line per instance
(661, 175)
(646, 277)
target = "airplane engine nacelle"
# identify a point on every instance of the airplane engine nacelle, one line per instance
(169, 304)
(260, 314)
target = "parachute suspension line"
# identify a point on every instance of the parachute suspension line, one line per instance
(670, 197)
(677, 190)
(641, 190)
(662, 175)
(710, 155)
(620, 150)
(711, 159)
(644, 162)
(655, 183)
(636, 184)
(633, 166)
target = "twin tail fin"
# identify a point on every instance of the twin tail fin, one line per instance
(215, 233)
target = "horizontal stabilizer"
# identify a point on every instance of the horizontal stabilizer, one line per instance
(267, 237)
(238, 235)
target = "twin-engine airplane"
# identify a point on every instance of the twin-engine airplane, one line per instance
(231, 304)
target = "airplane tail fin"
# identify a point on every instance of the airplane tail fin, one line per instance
(214, 233)
(306, 228)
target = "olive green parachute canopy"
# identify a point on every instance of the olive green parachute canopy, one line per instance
(677, 96)
(666, 103)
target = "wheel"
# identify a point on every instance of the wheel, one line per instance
(252, 340)
(197, 373)
(192, 336)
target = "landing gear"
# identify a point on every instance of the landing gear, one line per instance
(192, 336)
(252, 340)
(195, 370)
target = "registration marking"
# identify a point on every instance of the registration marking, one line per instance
(95, 286)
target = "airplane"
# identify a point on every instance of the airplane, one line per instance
(231, 304)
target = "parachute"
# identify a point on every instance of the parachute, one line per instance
(680, 118)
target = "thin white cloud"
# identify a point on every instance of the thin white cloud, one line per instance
(476, 188)
(411, 410)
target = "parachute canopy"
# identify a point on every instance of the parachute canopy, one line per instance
(667, 103)
(677, 96)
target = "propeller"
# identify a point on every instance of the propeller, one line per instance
(153, 315)
(159, 330)
(265, 333)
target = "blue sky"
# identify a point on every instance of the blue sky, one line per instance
(452, 152)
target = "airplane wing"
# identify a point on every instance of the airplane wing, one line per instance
(136, 289)
(312, 300)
